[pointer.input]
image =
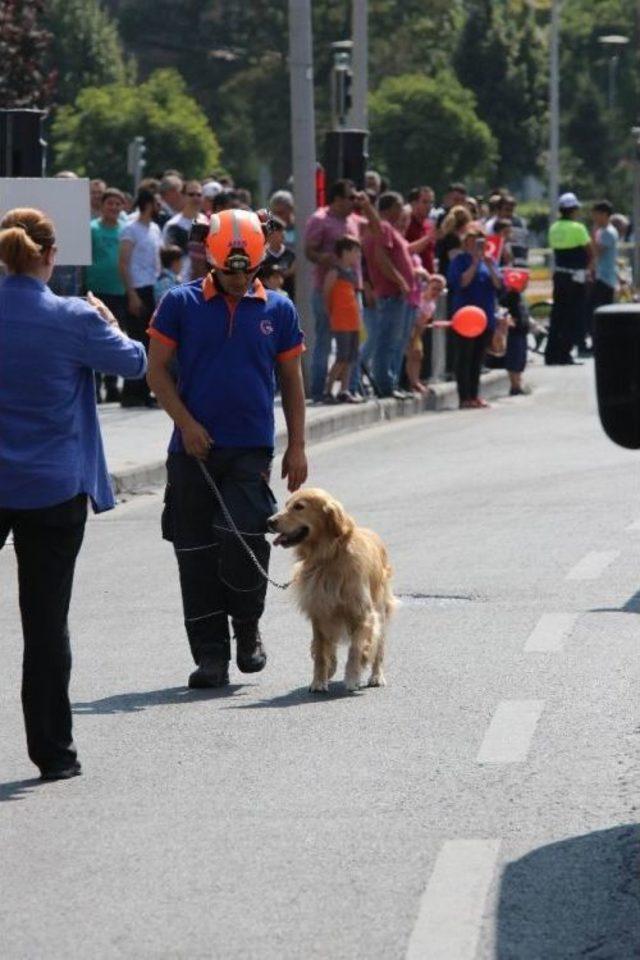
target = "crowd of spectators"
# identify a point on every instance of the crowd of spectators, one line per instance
(385, 269)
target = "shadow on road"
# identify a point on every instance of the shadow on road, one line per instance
(631, 606)
(299, 697)
(576, 898)
(18, 789)
(134, 702)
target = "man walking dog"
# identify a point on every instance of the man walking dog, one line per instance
(229, 336)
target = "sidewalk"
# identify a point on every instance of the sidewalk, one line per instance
(136, 439)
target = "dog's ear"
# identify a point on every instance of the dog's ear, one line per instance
(338, 523)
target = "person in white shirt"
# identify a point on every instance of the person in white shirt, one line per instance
(139, 263)
(171, 191)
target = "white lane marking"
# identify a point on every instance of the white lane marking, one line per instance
(591, 566)
(452, 906)
(550, 632)
(510, 732)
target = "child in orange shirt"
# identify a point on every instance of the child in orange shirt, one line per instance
(340, 293)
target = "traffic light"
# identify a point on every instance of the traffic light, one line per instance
(343, 96)
(136, 161)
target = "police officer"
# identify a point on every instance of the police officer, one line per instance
(229, 336)
(571, 244)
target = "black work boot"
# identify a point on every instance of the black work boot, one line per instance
(210, 672)
(250, 654)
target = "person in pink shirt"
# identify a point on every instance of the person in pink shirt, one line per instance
(420, 225)
(391, 272)
(326, 226)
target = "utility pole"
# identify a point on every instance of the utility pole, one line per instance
(554, 106)
(360, 63)
(635, 132)
(303, 138)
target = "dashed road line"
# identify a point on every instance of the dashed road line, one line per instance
(591, 566)
(550, 632)
(452, 906)
(510, 732)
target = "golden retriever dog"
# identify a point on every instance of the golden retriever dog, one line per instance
(342, 581)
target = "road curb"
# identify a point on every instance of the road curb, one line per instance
(337, 422)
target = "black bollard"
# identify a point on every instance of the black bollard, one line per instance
(617, 363)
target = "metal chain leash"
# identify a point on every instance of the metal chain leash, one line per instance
(233, 529)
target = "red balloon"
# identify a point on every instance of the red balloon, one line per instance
(469, 321)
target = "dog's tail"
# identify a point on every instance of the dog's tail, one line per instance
(390, 602)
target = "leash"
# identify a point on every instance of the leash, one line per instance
(232, 528)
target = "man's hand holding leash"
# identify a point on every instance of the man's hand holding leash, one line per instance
(196, 440)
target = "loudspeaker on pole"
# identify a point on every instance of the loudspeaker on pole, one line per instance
(22, 148)
(346, 156)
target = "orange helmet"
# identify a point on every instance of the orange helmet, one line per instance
(235, 241)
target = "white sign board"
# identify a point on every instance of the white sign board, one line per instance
(65, 201)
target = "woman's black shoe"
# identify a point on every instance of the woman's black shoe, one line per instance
(62, 773)
(209, 673)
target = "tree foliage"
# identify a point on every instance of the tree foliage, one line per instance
(86, 49)
(425, 130)
(500, 57)
(91, 137)
(233, 56)
(25, 80)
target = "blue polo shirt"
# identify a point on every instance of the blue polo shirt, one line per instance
(227, 353)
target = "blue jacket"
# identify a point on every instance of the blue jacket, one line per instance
(50, 442)
(480, 292)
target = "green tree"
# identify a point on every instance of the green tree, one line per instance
(425, 130)
(86, 49)
(91, 137)
(25, 80)
(501, 57)
(234, 57)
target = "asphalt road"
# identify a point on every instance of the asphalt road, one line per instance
(482, 805)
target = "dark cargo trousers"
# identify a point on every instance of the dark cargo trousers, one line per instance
(218, 579)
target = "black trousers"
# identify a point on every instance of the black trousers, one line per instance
(469, 354)
(566, 324)
(135, 393)
(218, 580)
(602, 295)
(47, 542)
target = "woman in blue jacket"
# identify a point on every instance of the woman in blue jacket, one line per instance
(51, 462)
(473, 281)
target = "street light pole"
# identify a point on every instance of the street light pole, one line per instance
(554, 105)
(615, 42)
(303, 138)
(360, 63)
(635, 132)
